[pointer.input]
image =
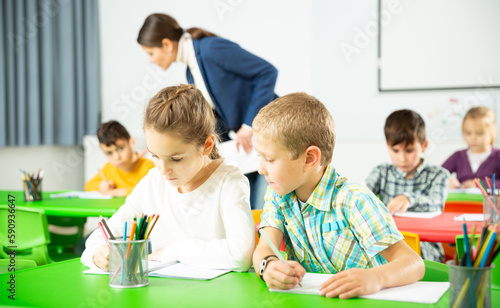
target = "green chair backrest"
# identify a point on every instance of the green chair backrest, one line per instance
(69, 231)
(495, 273)
(435, 271)
(31, 234)
(6, 264)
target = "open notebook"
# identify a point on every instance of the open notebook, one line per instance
(81, 195)
(174, 270)
(427, 215)
(409, 293)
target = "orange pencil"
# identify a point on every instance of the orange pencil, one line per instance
(132, 233)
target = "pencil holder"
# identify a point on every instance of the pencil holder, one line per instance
(470, 286)
(32, 190)
(128, 263)
(491, 204)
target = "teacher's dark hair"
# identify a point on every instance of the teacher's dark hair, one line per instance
(157, 27)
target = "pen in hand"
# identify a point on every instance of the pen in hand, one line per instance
(274, 249)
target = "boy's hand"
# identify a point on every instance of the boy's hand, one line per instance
(399, 203)
(454, 183)
(101, 258)
(279, 276)
(350, 283)
(117, 192)
(106, 185)
(468, 184)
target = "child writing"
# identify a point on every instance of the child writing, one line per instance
(330, 224)
(480, 159)
(203, 203)
(125, 168)
(409, 183)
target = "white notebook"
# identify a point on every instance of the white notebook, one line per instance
(81, 195)
(246, 162)
(174, 270)
(469, 217)
(426, 215)
(419, 292)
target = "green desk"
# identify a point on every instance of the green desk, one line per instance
(464, 197)
(64, 285)
(69, 207)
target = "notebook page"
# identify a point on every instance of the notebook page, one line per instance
(409, 293)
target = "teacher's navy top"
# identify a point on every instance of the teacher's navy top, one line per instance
(239, 83)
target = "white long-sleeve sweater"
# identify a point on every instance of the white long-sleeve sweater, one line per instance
(210, 227)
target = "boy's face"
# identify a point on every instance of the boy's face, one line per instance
(283, 174)
(407, 158)
(179, 162)
(120, 154)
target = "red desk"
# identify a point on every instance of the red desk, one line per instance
(441, 228)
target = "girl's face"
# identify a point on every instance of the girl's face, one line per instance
(477, 134)
(161, 56)
(182, 164)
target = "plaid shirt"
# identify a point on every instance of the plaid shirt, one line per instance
(342, 225)
(427, 189)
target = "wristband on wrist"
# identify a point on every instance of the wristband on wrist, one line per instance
(263, 265)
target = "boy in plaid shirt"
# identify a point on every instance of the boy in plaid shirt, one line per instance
(409, 183)
(330, 224)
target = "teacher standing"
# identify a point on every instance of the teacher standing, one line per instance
(236, 83)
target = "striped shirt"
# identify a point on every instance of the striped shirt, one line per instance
(427, 189)
(342, 225)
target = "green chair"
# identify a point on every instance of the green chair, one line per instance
(65, 233)
(495, 273)
(435, 271)
(31, 234)
(18, 265)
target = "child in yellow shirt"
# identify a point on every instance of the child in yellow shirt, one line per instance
(125, 168)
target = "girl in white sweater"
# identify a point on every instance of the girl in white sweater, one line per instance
(205, 218)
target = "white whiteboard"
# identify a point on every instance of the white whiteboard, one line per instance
(439, 44)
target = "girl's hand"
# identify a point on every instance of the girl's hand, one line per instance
(468, 184)
(101, 258)
(155, 256)
(454, 183)
(244, 138)
(350, 283)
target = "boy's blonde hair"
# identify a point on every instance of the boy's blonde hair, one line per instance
(487, 116)
(183, 111)
(297, 121)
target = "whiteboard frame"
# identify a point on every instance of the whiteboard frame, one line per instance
(392, 88)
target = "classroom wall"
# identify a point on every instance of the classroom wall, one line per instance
(268, 29)
(326, 48)
(62, 165)
(345, 79)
